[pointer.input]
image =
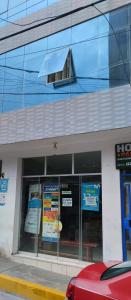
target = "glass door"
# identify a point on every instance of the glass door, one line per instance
(30, 215)
(91, 218)
(69, 216)
(126, 215)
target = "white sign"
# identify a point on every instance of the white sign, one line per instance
(66, 192)
(67, 202)
(3, 198)
(49, 230)
(32, 222)
(92, 201)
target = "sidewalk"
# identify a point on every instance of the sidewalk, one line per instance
(26, 275)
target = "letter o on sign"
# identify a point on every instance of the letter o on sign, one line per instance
(128, 147)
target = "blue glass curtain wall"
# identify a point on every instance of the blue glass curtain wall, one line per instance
(11, 10)
(101, 58)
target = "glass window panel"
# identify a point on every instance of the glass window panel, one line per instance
(88, 29)
(35, 5)
(64, 38)
(4, 17)
(50, 2)
(91, 218)
(59, 164)
(103, 58)
(2, 73)
(89, 162)
(69, 217)
(118, 46)
(96, 57)
(20, 8)
(33, 166)
(54, 62)
(3, 12)
(11, 103)
(103, 25)
(119, 75)
(16, 12)
(128, 244)
(30, 215)
(119, 18)
(3, 6)
(61, 198)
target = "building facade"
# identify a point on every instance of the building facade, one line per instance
(65, 127)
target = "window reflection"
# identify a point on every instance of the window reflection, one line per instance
(19, 9)
(103, 61)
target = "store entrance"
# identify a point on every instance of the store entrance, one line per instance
(50, 215)
(60, 216)
(61, 207)
(126, 214)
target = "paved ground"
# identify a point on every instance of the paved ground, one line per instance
(5, 296)
(33, 274)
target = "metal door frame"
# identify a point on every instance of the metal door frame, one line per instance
(124, 220)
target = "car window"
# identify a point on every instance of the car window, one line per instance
(116, 270)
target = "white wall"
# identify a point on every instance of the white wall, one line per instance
(112, 233)
(10, 168)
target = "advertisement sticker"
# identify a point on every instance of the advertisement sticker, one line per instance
(90, 196)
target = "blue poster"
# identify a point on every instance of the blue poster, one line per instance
(4, 185)
(90, 196)
(34, 202)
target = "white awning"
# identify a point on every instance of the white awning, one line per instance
(53, 62)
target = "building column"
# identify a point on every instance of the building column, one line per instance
(111, 206)
(9, 213)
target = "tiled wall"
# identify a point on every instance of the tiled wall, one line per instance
(87, 113)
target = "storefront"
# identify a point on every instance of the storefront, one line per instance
(62, 206)
(123, 163)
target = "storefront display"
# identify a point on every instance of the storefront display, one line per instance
(3, 191)
(4, 185)
(63, 212)
(51, 213)
(33, 218)
(90, 196)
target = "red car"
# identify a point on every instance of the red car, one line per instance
(102, 281)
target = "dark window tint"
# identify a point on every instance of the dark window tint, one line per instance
(59, 164)
(0, 166)
(33, 166)
(116, 270)
(118, 47)
(119, 75)
(89, 162)
(119, 18)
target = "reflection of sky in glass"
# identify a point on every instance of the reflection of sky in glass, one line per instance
(15, 9)
(90, 46)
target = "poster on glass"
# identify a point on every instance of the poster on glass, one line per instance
(90, 196)
(33, 217)
(51, 225)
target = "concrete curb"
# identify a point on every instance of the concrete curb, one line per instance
(28, 289)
